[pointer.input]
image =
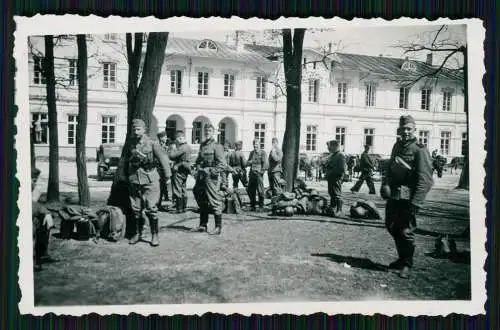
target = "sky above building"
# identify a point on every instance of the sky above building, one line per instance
(372, 41)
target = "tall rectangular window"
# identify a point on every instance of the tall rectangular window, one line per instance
(342, 93)
(404, 92)
(202, 83)
(38, 72)
(447, 101)
(228, 85)
(313, 90)
(445, 143)
(72, 122)
(109, 75)
(40, 122)
(425, 102)
(108, 129)
(370, 97)
(261, 88)
(175, 81)
(196, 135)
(260, 134)
(423, 138)
(221, 137)
(369, 136)
(171, 129)
(465, 144)
(340, 133)
(311, 134)
(73, 80)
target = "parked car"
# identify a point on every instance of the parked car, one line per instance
(108, 157)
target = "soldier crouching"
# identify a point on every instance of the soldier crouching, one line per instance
(335, 169)
(144, 181)
(407, 180)
(210, 165)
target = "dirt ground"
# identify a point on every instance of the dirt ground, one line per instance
(260, 258)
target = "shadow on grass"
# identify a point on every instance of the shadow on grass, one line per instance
(355, 262)
(425, 232)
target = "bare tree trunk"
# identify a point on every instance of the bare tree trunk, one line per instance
(292, 51)
(463, 182)
(81, 127)
(140, 98)
(53, 184)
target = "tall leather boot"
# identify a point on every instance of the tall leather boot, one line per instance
(153, 223)
(138, 234)
(339, 205)
(261, 202)
(184, 203)
(178, 205)
(218, 224)
(202, 228)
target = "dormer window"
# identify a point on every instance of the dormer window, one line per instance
(207, 45)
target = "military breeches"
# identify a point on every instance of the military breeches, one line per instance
(256, 187)
(274, 183)
(240, 175)
(208, 195)
(144, 197)
(365, 176)
(179, 185)
(163, 186)
(401, 224)
(334, 188)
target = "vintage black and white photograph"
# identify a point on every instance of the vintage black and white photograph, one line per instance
(251, 164)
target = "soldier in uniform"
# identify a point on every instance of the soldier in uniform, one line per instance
(238, 163)
(225, 176)
(181, 168)
(257, 161)
(275, 171)
(334, 170)
(164, 182)
(366, 166)
(210, 166)
(405, 185)
(144, 180)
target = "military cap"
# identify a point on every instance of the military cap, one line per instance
(35, 173)
(239, 143)
(161, 134)
(138, 123)
(333, 143)
(179, 133)
(274, 139)
(406, 119)
(209, 126)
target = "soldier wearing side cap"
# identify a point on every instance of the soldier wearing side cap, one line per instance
(334, 170)
(225, 175)
(275, 170)
(181, 156)
(144, 181)
(257, 160)
(238, 163)
(164, 182)
(405, 184)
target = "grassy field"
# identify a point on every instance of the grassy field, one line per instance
(260, 258)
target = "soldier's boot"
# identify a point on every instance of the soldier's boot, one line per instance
(138, 234)
(153, 223)
(218, 224)
(261, 202)
(178, 205)
(202, 228)
(184, 203)
(339, 206)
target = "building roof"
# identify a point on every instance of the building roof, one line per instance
(189, 47)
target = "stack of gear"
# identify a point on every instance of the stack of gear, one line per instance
(284, 204)
(110, 224)
(364, 210)
(77, 218)
(232, 202)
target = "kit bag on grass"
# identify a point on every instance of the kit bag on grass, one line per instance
(76, 221)
(111, 223)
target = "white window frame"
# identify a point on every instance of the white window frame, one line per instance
(445, 141)
(342, 92)
(72, 72)
(425, 99)
(423, 137)
(261, 86)
(44, 123)
(228, 85)
(203, 78)
(109, 75)
(108, 129)
(447, 99)
(370, 95)
(464, 141)
(207, 45)
(72, 124)
(311, 137)
(176, 82)
(369, 132)
(221, 136)
(260, 133)
(38, 72)
(404, 97)
(340, 135)
(313, 95)
(197, 132)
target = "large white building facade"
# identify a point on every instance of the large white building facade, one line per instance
(355, 99)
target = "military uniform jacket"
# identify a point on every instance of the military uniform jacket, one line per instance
(275, 157)
(257, 161)
(366, 163)
(419, 178)
(335, 165)
(237, 160)
(211, 156)
(143, 156)
(181, 157)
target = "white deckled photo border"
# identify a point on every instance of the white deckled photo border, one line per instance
(74, 24)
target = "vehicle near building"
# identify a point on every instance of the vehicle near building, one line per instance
(108, 156)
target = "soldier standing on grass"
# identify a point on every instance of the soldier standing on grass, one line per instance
(366, 166)
(225, 175)
(257, 160)
(275, 170)
(180, 170)
(238, 163)
(164, 182)
(210, 165)
(405, 185)
(335, 169)
(144, 180)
